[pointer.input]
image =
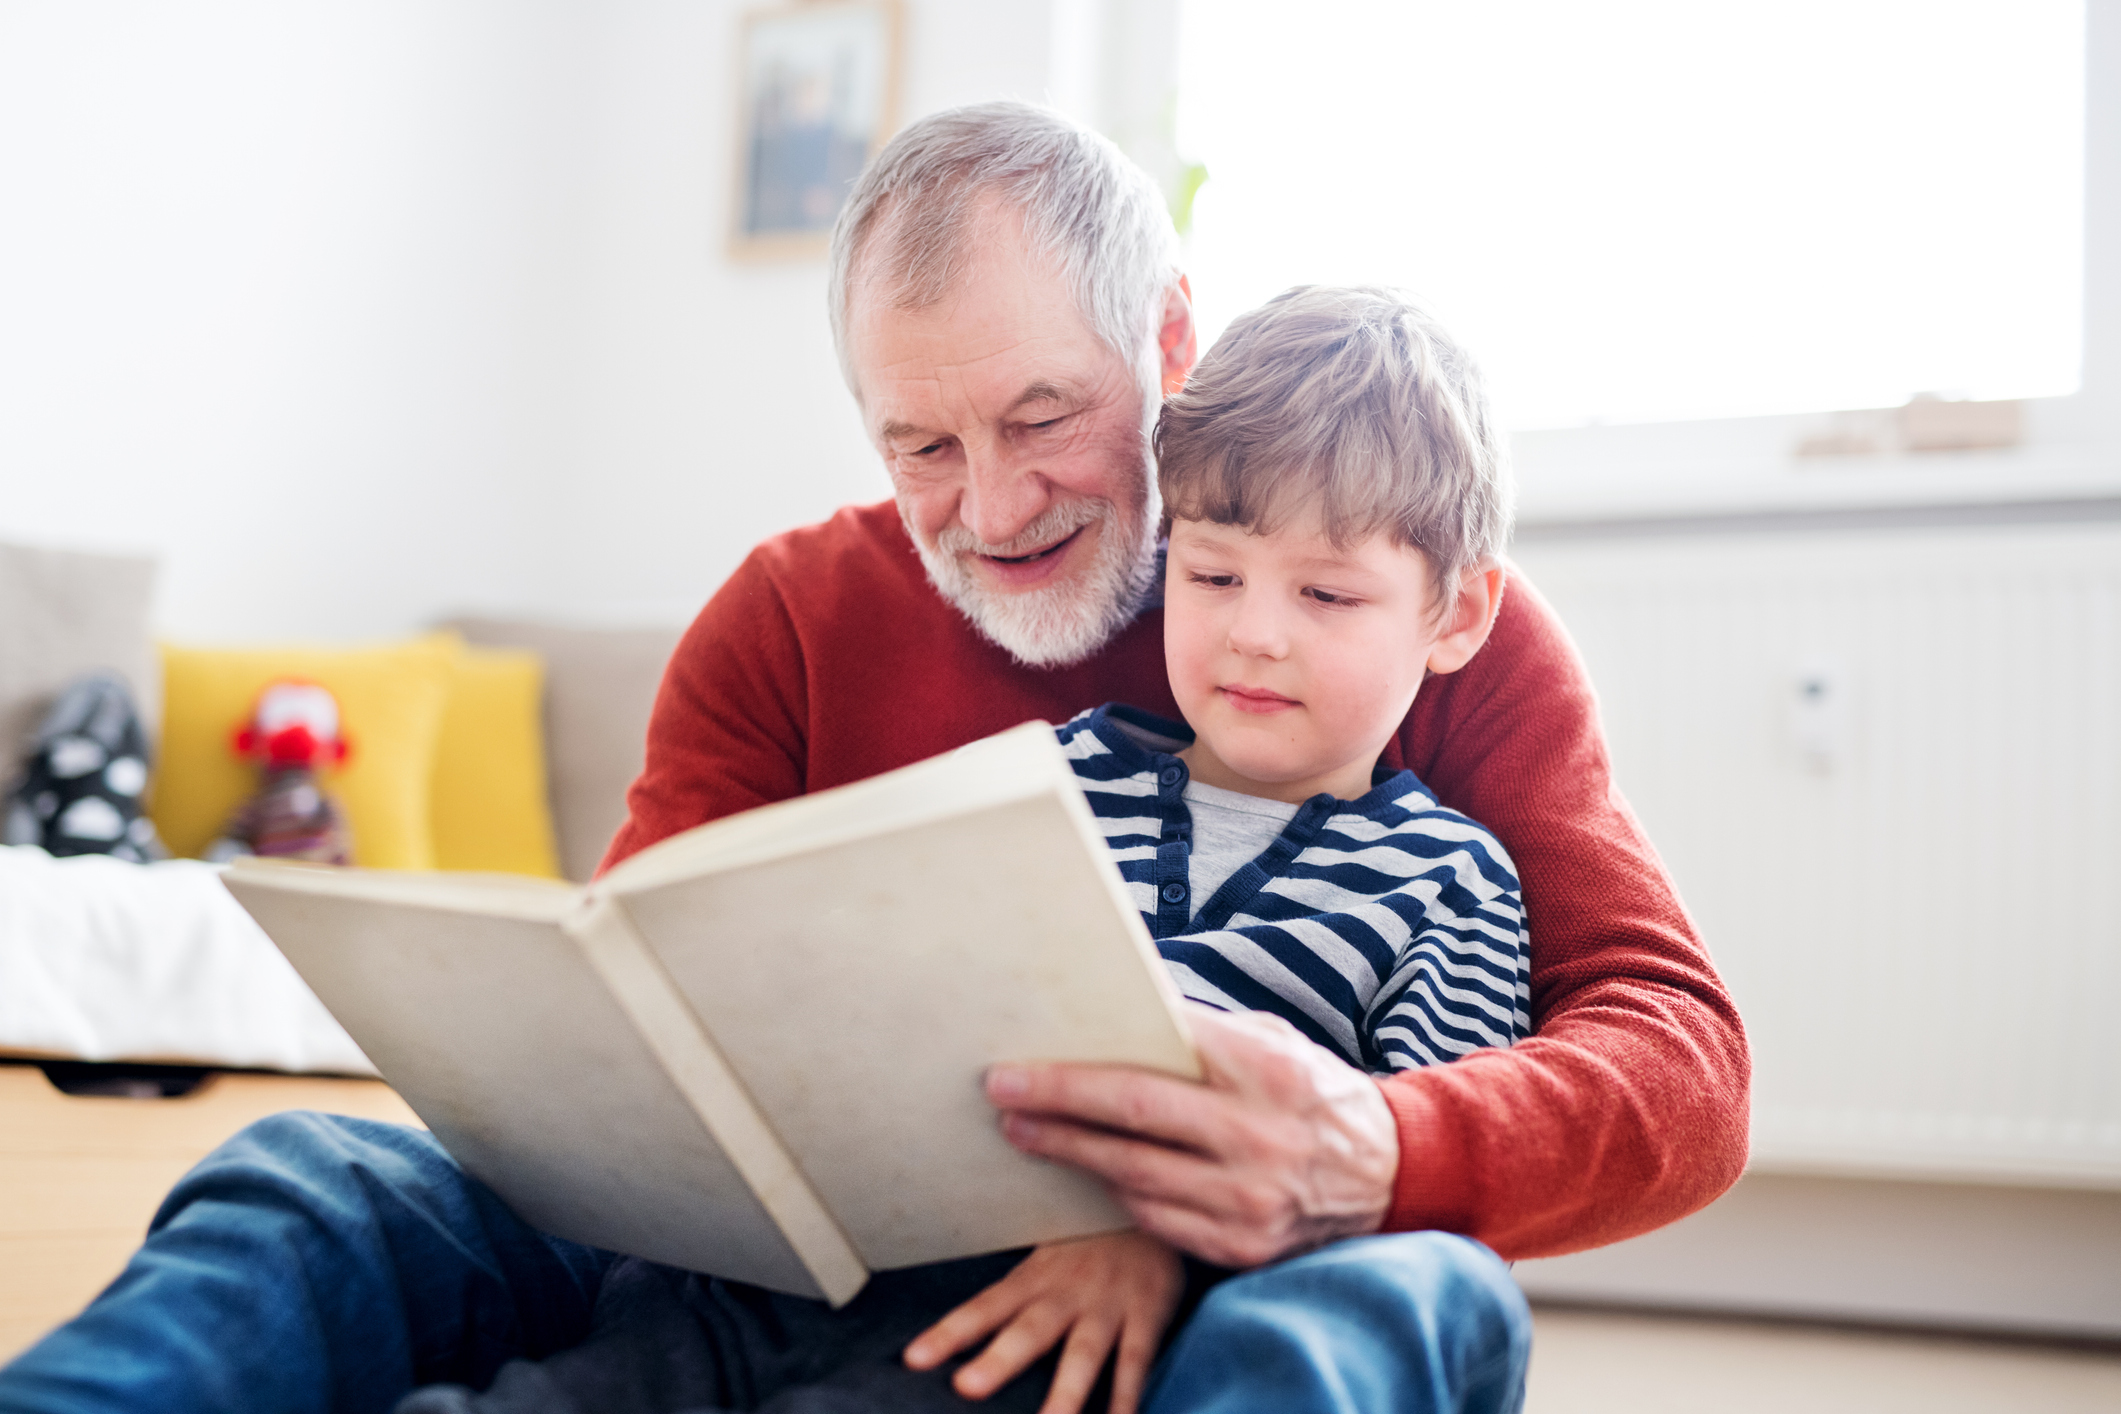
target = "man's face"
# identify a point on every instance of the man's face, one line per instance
(1018, 448)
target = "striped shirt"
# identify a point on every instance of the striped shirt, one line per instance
(1389, 929)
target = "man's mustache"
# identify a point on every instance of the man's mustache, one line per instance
(1053, 524)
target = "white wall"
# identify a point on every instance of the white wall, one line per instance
(361, 314)
(2040, 1261)
(279, 297)
(710, 409)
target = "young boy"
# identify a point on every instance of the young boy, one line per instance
(1337, 498)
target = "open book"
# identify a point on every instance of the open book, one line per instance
(755, 1049)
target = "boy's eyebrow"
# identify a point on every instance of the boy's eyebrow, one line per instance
(1218, 536)
(1334, 562)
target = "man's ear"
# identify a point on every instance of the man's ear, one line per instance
(1471, 619)
(1176, 338)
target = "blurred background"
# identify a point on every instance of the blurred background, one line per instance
(1807, 320)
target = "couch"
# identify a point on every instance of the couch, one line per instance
(80, 1176)
(64, 613)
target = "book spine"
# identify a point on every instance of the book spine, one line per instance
(644, 991)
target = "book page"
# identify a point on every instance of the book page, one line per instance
(860, 990)
(505, 1041)
(1010, 765)
(695, 1064)
(504, 895)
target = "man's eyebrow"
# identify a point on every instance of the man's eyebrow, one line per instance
(894, 429)
(1042, 391)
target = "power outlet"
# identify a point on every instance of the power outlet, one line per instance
(1818, 716)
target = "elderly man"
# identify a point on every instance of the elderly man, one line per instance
(1008, 311)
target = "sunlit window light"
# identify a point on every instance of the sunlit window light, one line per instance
(1650, 210)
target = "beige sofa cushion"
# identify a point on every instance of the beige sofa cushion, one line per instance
(600, 685)
(62, 614)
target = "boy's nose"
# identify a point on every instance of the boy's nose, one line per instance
(1257, 630)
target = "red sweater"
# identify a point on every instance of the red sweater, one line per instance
(827, 658)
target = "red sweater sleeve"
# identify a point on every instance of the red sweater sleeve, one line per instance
(1627, 1107)
(728, 729)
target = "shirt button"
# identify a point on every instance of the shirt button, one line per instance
(1174, 893)
(1173, 775)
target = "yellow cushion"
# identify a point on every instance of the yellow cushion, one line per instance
(489, 806)
(391, 703)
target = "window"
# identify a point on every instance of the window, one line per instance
(1656, 210)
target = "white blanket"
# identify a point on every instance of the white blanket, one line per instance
(104, 960)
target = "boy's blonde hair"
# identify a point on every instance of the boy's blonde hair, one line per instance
(1351, 400)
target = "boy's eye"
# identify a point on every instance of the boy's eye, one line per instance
(1219, 581)
(1327, 596)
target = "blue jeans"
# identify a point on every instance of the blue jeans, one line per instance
(320, 1263)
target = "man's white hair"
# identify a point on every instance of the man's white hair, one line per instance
(907, 230)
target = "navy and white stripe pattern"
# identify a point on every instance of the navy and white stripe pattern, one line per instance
(1388, 929)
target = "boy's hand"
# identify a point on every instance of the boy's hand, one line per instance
(1118, 1289)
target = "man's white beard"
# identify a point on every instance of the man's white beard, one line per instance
(1064, 622)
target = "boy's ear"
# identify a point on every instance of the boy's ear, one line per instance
(1471, 619)
(1177, 338)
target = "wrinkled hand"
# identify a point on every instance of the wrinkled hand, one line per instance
(1284, 1147)
(1099, 1294)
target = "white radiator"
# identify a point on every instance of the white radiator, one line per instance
(1885, 769)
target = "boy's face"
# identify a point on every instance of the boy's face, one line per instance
(1295, 661)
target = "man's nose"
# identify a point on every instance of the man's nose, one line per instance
(1002, 494)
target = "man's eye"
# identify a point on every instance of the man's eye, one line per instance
(928, 450)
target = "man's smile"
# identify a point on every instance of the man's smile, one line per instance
(1044, 566)
(1054, 548)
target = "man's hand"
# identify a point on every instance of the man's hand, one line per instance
(1285, 1147)
(1096, 1292)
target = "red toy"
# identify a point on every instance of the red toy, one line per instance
(293, 732)
(295, 723)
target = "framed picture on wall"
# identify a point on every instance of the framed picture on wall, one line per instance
(820, 94)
